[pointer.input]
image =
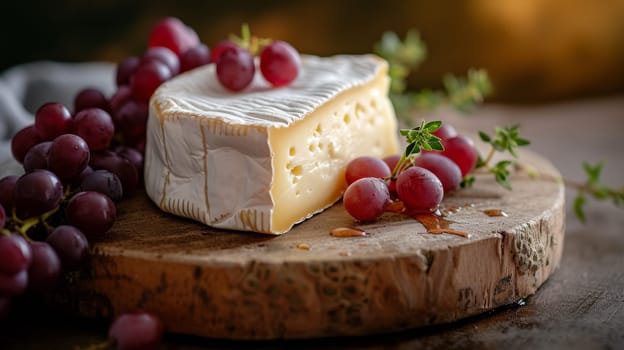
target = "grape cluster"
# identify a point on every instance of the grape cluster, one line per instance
(77, 165)
(419, 182)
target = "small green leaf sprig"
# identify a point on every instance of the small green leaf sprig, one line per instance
(508, 140)
(404, 57)
(505, 139)
(419, 137)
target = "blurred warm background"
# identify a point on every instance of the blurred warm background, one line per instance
(534, 50)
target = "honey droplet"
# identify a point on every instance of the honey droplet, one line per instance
(347, 232)
(303, 246)
(435, 223)
(494, 212)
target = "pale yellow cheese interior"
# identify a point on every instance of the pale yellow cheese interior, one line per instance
(310, 156)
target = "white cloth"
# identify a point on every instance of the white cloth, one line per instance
(25, 87)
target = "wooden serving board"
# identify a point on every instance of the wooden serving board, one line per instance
(235, 285)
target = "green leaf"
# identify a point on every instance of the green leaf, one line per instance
(467, 181)
(433, 125)
(579, 204)
(436, 145)
(484, 137)
(412, 148)
(593, 172)
(522, 142)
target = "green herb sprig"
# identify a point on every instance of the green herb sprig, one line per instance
(404, 57)
(418, 138)
(505, 139)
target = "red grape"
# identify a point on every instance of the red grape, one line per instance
(461, 150)
(37, 157)
(96, 128)
(194, 57)
(365, 166)
(91, 212)
(90, 98)
(2, 216)
(134, 331)
(45, 268)
(119, 98)
(279, 63)
(235, 68)
(162, 55)
(13, 285)
(419, 189)
(445, 169)
(70, 245)
(23, 141)
(51, 120)
(125, 69)
(131, 119)
(134, 156)
(147, 78)
(7, 185)
(392, 161)
(219, 48)
(366, 198)
(123, 168)
(68, 156)
(446, 131)
(15, 254)
(105, 182)
(174, 35)
(37, 192)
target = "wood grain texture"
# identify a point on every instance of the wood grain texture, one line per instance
(234, 285)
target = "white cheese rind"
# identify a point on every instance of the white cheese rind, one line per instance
(209, 152)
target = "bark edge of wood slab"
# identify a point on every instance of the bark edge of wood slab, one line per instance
(234, 285)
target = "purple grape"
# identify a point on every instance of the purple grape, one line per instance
(37, 192)
(131, 119)
(7, 186)
(37, 157)
(70, 245)
(162, 55)
(45, 268)
(419, 189)
(24, 140)
(147, 78)
(68, 156)
(445, 169)
(90, 98)
(13, 285)
(96, 127)
(125, 171)
(119, 98)
(362, 167)
(140, 330)
(125, 69)
(105, 182)
(91, 212)
(235, 68)
(134, 156)
(366, 198)
(2, 216)
(15, 254)
(52, 120)
(194, 57)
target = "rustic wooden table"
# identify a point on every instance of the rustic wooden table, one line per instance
(580, 307)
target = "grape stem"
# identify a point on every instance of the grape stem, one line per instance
(22, 226)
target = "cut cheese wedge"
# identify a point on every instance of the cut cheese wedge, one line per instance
(265, 158)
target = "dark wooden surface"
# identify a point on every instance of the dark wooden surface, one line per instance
(581, 306)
